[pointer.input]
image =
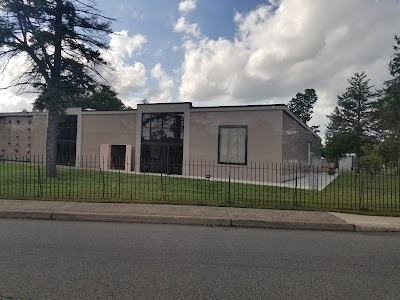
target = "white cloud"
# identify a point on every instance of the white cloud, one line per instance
(187, 6)
(11, 98)
(163, 93)
(126, 77)
(13, 103)
(122, 45)
(284, 48)
(191, 29)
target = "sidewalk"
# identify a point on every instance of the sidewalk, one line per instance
(195, 215)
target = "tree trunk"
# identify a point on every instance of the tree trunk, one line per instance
(51, 143)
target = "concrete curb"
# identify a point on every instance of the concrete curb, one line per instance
(293, 225)
(14, 214)
(190, 220)
(369, 228)
(181, 220)
(153, 219)
(363, 223)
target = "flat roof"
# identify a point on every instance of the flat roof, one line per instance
(21, 114)
(243, 106)
(221, 108)
(217, 107)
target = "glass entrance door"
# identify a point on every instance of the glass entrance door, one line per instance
(66, 140)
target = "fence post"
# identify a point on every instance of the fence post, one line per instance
(295, 189)
(163, 192)
(102, 177)
(229, 186)
(40, 181)
(361, 193)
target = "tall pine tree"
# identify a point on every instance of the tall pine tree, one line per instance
(62, 42)
(353, 121)
(389, 109)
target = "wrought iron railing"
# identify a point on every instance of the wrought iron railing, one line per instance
(203, 182)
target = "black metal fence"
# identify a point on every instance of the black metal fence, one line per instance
(203, 182)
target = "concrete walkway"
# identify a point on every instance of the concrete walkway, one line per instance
(195, 215)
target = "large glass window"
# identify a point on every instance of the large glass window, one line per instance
(232, 144)
(162, 127)
(162, 142)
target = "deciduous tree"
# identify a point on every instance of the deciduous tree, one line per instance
(102, 98)
(302, 106)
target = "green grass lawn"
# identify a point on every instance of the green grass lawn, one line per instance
(348, 192)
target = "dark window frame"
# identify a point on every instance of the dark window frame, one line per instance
(165, 161)
(246, 144)
(67, 135)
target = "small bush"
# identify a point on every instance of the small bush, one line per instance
(371, 162)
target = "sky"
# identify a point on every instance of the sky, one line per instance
(239, 52)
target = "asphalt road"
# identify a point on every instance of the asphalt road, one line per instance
(82, 260)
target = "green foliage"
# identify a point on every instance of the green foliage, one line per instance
(315, 128)
(57, 98)
(389, 110)
(302, 105)
(62, 42)
(102, 98)
(353, 122)
(99, 98)
(388, 150)
(371, 162)
(394, 65)
(337, 147)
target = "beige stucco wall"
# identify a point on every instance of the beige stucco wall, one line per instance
(264, 143)
(15, 137)
(22, 136)
(118, 128)
(39, 128)
(264, 133)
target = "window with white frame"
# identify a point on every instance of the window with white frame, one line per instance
(232, 144)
